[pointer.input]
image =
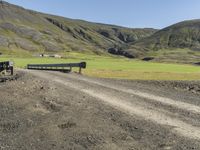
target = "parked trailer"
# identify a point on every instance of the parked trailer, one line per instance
(57, 67)
(7, 66)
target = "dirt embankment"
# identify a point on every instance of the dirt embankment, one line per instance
(45, 110)
(191, 86)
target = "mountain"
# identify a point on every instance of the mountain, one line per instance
(22, 29)
(182, 35)
(27, 31)
(179, 42)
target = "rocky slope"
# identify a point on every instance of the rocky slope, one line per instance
(181, 35)
(24, 31)
(29, 30)
(180, 42)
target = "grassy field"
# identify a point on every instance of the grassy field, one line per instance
(112, 67)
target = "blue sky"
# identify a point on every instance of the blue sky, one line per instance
(129, 13)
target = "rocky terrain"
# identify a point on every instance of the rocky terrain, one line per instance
(180, 41)
(37, 32)
(49, 110)
(181, 35)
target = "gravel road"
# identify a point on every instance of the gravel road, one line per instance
(68, 111)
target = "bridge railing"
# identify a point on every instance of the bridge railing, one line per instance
(57, 67)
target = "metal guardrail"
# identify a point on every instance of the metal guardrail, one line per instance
(7, 66)
(57, 67)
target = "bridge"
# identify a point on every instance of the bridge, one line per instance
(65, 67)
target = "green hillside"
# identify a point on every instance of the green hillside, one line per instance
(26, 33)
(36, 32)
(176, 43)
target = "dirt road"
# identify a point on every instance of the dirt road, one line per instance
(104, 114)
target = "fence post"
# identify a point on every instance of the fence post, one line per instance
(11, 67)
(80, 70)
(70, 69)
(11, 70)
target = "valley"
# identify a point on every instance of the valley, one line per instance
(140, 89)
(31, 33)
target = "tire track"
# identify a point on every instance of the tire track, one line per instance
(167, 101)
(179, 127)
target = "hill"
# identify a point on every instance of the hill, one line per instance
(181, 35)
(179, 42)
(27, 30)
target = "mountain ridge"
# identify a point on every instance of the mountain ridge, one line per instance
(36, 32)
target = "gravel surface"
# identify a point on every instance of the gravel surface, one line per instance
(51, 110)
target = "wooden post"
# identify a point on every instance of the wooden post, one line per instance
(70, 69)
(79, 70)
(11, 70)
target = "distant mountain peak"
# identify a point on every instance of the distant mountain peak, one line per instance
(5, 3)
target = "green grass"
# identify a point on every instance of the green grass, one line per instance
(115, 67)
(175, 55)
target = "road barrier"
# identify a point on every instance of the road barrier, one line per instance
(57, 67)
(7, 66)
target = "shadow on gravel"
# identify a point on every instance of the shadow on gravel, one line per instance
(10, 78)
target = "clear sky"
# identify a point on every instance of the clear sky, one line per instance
(129, 13)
